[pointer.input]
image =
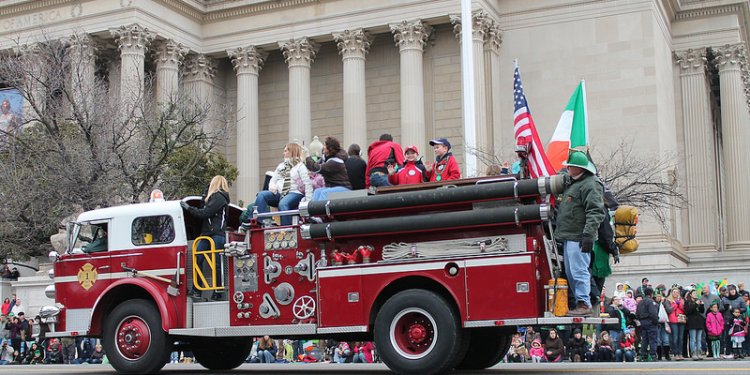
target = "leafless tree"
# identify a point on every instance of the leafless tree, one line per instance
(646, 181)
(79, 147)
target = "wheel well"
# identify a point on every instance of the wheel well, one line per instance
(410, 282)
(113, 298)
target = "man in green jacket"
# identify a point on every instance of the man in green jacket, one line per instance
(580, 210)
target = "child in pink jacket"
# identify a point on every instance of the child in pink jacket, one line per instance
(714, 328)
(536, 352)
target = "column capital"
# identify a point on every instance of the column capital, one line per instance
(132, 38)
(82, 42)
(411, 34)
(480, 26)
(170, 53)
(493, 39)
(199, 66)
(730, 55)
(248, 59)
(353, 43)
(299, 52)
(691, 61)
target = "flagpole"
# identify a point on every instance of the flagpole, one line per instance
(585, 111)
(467, 79)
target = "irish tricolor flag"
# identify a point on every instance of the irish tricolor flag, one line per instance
(572, 130)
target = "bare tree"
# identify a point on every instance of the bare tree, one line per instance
(646, 181)
(79, 147)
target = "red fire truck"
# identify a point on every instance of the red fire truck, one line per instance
(439, 275)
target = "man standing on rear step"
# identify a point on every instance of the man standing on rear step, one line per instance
(580, 210)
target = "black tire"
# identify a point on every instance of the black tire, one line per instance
(132, 322)
(418, 332)
(222, 354)
(487, 347)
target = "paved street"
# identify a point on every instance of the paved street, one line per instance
(705, 367)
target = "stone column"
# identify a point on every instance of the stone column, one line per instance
(299, 54)
(168, 57)
(82, 70)
(735, 123)
(198, 78)
(133, 41)
(480, 27)
(492, 44)
(411, 38)
(35, 79)
(702, 195)
(247, 62)
(353, 46)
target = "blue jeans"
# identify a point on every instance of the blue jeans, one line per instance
(265, 198)
(696, 338)
(577, 270)
(266, 357)
(621, 354)
(675, 344)
(205, 245)
(359, 358)
(663, 336)
(321, 194)
(377, 179)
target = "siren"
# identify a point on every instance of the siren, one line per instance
(156, 196)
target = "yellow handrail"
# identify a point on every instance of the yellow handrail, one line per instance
(210, 257)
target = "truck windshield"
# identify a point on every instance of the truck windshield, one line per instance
(81, 235)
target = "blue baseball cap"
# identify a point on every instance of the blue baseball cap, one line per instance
(440, 141)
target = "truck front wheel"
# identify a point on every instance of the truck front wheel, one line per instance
(133, 338)
(418, 332)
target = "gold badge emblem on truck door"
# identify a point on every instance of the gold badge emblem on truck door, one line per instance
(87, 276)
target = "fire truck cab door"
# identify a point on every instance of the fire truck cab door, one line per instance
(83, 272)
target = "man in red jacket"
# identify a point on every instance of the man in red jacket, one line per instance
(380, 154)
(445, 166)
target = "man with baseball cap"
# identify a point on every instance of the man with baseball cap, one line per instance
(445, 167)
(412, 172)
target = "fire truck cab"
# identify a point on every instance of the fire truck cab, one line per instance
(438, 275)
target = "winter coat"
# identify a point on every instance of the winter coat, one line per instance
(615, 312)
(694, 312)
(332, 169)
(629, 303)
(555, 346)
(379, 155)
(714, 324)
(6, 308)
(536, 352)
(627, 342)
(445, 168)
(738, 327)
(213, 214)
(678, 308)
(577, 345)
(580, 209)
(647, 309)
(268, 346)
(299, 172)
(355, 169)
(730, 303)
(412, 172)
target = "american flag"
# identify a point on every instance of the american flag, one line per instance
(526, 132)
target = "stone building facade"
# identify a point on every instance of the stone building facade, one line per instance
(669, 76)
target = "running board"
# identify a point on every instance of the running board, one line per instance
(271, 330)
(539, 321)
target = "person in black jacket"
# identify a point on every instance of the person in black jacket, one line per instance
(577, 346)
(617, 310)
(647, 313)
(696, 322)
(332, 169)
(355, 167)
(214, 216)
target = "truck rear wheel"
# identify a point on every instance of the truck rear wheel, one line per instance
(133, 338)
(418, 332)
(222, 354)
(486, 349)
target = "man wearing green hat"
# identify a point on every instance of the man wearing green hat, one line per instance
(580, 210)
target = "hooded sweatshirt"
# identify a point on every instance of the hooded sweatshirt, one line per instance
(732, 302)
(332, 169)
(536, 350)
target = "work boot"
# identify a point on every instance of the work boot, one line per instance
(581, 310)
(196, 296)
(665, 351)
(217, 296)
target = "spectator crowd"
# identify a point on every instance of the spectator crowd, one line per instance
(698, 321)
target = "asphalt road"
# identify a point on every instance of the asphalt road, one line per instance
(726, 367)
